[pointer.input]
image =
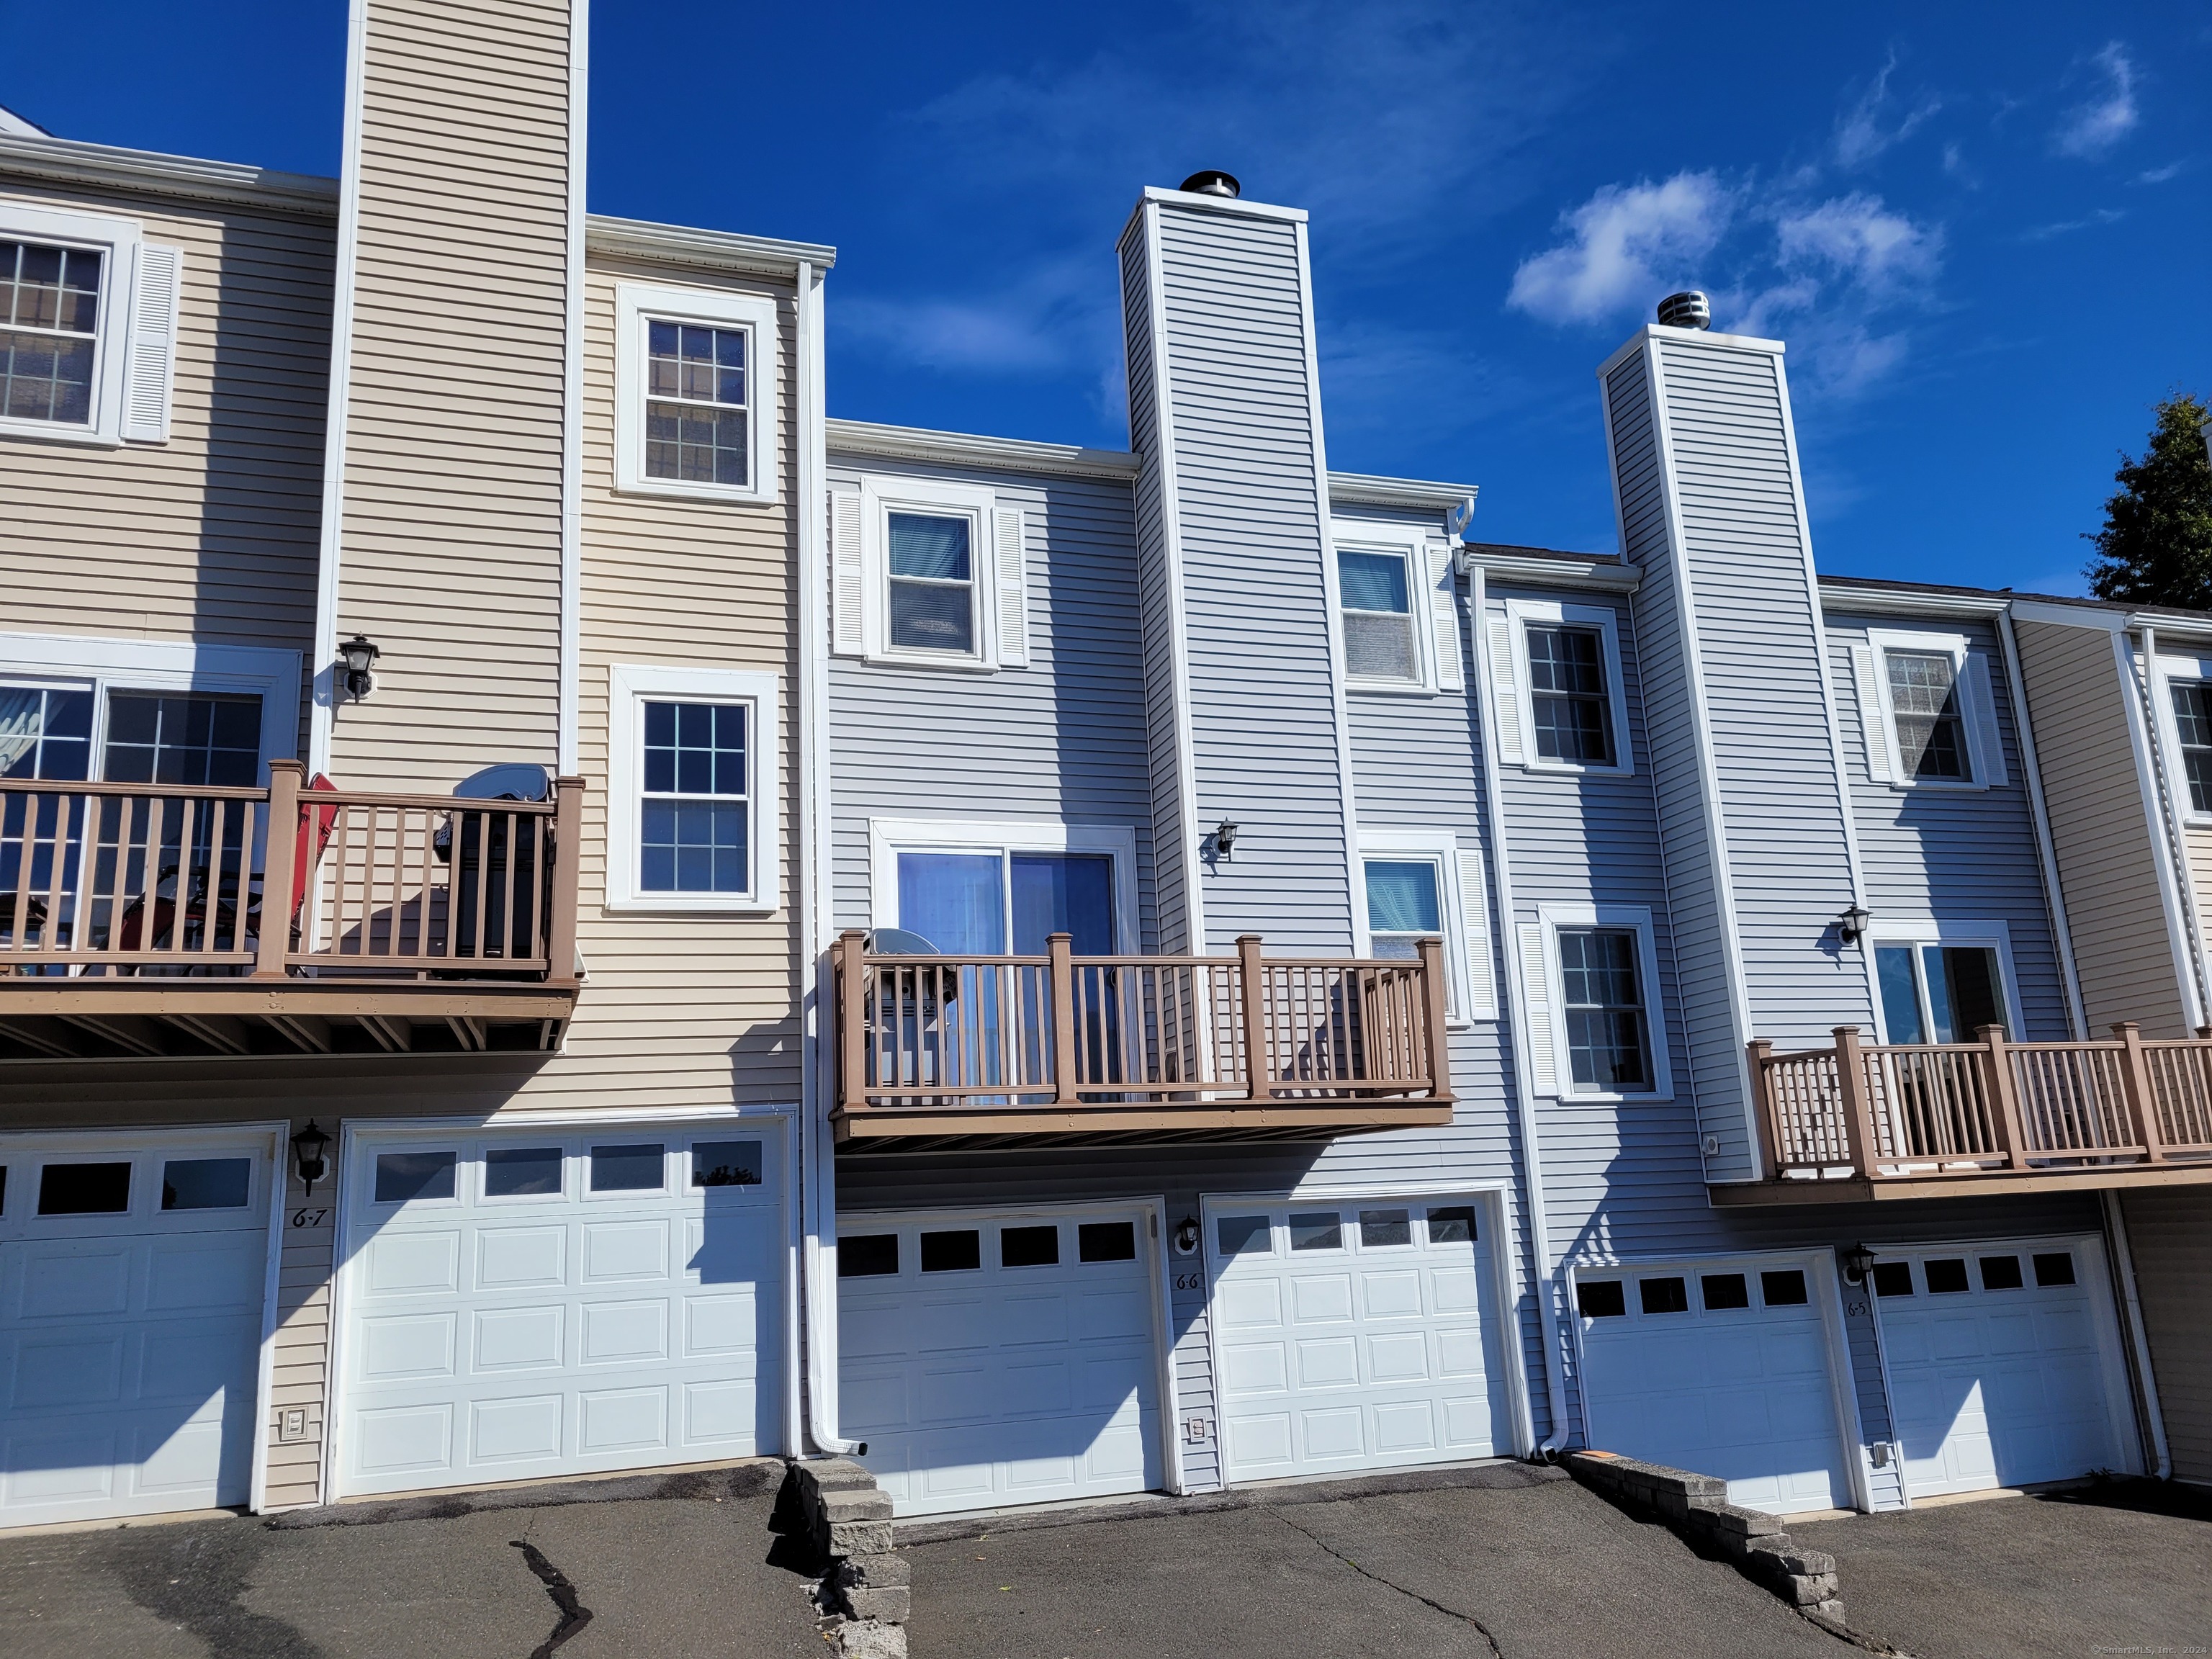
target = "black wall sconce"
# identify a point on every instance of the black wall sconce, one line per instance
(1851, 926)
(1859, 1262)
(309, 1147)
(1187, 1235)
(359, 656)
(1223, 838)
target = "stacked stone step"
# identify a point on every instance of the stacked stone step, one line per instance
(1697, 1506)
(866, 1581)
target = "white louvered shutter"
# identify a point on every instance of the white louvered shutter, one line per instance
(150, 361)
(847, 577)
(1443, 600)
(1989, 741)
(1474, 917)
(1537, 986)
(1011, 564)
(1864, 666)
(1505, 692)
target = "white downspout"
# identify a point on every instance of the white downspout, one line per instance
(1524, 1089)
(818, 1169)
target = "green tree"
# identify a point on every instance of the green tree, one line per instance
(2156, 544)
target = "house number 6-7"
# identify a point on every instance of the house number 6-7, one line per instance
(309, 1217)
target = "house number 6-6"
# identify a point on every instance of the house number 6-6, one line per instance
(1191, 1281)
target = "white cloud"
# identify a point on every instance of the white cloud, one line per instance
(2044, 233)
(2109, 114)
(2159, 175)
(1625, 244)
(1045, 319)
(1869, 126)
(1858, 238)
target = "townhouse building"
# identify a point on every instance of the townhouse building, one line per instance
(560, 910)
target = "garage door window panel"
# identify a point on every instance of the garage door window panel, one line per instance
(953, 1252)
(727, 1163)
(1783, 1288)
(1663, 1296)
(1244, 1235)
(414, 1177)
(1386, 1230)
(638, 1167)
(1724, 1291)
(207, 1183)
(1946, 1276)
(1601, 1298)
(84, 1189)
(2001, 1272)
(868, 1256)
(1106, 1241)
(1893, 1278)
(1316, 1229)
(1029, 1247)
(1452, 1224)
(2054, 1269)
(522, 1171)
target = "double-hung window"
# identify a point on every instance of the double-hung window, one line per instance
(1431, 886)
(1379, 641)
(1405, 905)
(1398, 613)
(695, 393)
(1568, 695)
(2192, 730)
(1557, 687)
(1590, 975)
(1944, 986)
(690, 757)
(929, 573)
(1927, 709)
(87, 327)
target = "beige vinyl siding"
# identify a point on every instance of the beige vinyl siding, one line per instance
(451, 539)
(2107, 854)
(2197, 840)
(211, 535)
(682, 1009)
(2169, 1236)
(300, 1351)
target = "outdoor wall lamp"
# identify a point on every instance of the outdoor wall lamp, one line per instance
(359, 657)
(1187, 1235)
(1859, 1262)
(1223, 838)
(307, 1149)
(1853, 923)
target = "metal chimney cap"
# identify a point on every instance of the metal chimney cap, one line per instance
(1212, 182)
(1688, 309)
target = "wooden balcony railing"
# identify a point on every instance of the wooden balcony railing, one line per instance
(1995, 1109)
(1066, 1041)
(113, 895)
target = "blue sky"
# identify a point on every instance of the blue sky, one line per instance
(1985, 231)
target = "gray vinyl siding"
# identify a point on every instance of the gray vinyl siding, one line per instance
(1710, 1066)
(1954, 854)
(2169, 1236)
(1174, 840)
(1061, 740)
(1758, 634)
(1248, 464)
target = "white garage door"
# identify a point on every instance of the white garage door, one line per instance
(534, 1304)
(2002, 1359)
(133, 1277)
(1354, 1335)
(1000, 1358)
(1721, 1367)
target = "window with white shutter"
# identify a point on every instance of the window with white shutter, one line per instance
(937, 575)
(1444, 603)
(1397, 610)
(1594, 969)
(1422, 884)
(1012, 563)
(1561, 697)
(87, 327)
(1504, 692)
(1475, 915)
(1927, 705)
(849, 581)
(1536, 998)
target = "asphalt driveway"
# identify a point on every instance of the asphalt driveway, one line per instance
(677, 1570)
(1525, 1564)
(2124, 1567)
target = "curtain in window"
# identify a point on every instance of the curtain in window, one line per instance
(1401, 898)
(20, 709)
(954, 899)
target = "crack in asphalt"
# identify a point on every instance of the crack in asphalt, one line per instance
(575, 1615)
(1427, 1601)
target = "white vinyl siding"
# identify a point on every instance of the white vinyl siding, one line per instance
(706, 364)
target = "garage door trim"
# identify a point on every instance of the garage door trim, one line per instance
(1153, 1210)
(272, 1140)
(359, 1137)
(1825, 1292)
(1505, 1259)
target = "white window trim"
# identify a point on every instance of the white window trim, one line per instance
(888, 837)
(629, 687)
(880, 496)
(118, 241)
(1411, 544)
(102, 665)
(1606, 621)
(1959, 648)
(1638, 918)
(636, 306)
(1440, 848)
(2167, 670)
(1996, 935)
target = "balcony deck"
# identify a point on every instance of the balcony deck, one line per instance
(1864, 1122)
(979, 1051)
(140, 920)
